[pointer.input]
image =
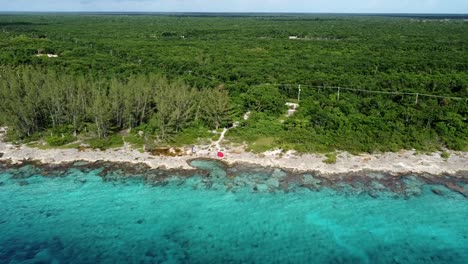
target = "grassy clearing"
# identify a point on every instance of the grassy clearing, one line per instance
(192, 136)
(113, 141)
(262, 144)
(135, 141)
(40, 145)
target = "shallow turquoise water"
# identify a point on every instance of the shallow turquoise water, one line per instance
(82, 219)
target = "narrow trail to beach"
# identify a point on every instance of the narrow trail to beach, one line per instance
(217, 144)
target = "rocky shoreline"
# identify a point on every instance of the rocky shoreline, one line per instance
(214, 174)
(396, 163)
(268, 171)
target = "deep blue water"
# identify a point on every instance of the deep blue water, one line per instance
(80, 218)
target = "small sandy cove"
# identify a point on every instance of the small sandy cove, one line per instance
(394, 163)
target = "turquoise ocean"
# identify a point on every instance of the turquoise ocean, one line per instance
(77, 215)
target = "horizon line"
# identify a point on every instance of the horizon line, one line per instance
(234, 12)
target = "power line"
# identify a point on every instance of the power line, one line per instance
(299, 93)
(338, 88)
(370, 91)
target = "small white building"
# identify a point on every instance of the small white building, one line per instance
(293, 37)
(48, 55)
(247, 115)
(292, 109)
(292, 105)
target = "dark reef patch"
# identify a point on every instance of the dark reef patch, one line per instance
(220, 175)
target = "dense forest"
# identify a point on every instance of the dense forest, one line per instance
(177, 77)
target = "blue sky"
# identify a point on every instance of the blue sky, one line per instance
(333, 6)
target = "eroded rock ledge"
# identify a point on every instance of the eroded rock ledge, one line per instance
(214, 174)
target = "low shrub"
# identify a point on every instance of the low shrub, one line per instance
(331, 158)
(106, 143)
(56, 141)
(191, 136)
(445, 155)
(135, 140)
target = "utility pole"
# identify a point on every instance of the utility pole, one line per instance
(299, 93)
